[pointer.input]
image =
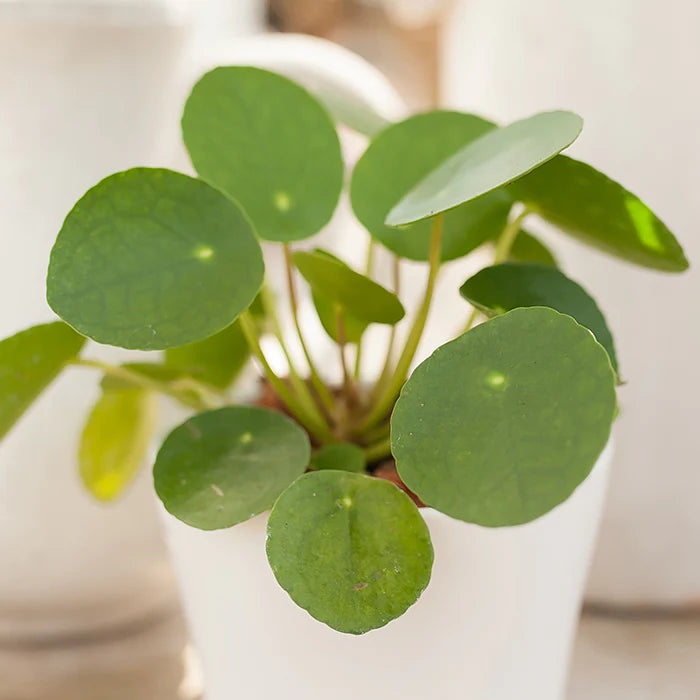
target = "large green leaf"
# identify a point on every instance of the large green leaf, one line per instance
(583, 202)
(501, 288)
(216, 360)
(115, 440)
(342, 456)
(502, 424)
(270, 145)
(350, 549)
(495, 159)
(151, 259)
(222, 467)
(398, 159)
(29, 362)
(358, 295)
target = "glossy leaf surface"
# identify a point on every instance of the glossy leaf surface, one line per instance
(222, 467)
(270, 145)
(398, 159)
(150, 259)
(350, 549)
(115, 440)
(497, 158)
(29, 362)
(588, 205)
(360, 296)
(501, 425)
(495, 290)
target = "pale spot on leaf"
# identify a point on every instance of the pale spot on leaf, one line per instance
(282, 201)
(203, 252)
(496, 380)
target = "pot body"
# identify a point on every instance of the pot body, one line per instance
(495, 623)
(508, 59)
(86, 89)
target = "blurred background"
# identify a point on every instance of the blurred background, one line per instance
(88, 608)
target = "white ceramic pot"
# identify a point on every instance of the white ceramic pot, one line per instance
(495, 623)
(625, 66)
(86, 88)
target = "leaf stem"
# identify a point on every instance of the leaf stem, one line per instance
(378, 450)
(144, 382)
(388, 397)
(317, 428)
(504, 245)
(386, 370)
(298, 384)
(369, 264)
(316, 380)
(349, 386)
(508, 236)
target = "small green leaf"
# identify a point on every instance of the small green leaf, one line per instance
(350, 549)
(216, 360)
(29, 362)
(270, 145)
(501, 425)
(398, 159)
(590, 206)
(342, 456)
(115, 440)
(528, 249)
(151, 259)
(222, 467)
(501, 288)
(492, 161)
(354, 329)
(358, 295)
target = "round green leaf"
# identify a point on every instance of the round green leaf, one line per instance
(501, 288)
(151, 259)
(588, 205)
(497, 158)
(342, 456)
(361, 297)
(222, 467)
(502, 424)
(528, 249)
(350, 549)
(270, 145)
(398, 158)
(115, 440)
(216, 360)
(29, 362)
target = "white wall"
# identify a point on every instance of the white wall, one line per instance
(630, 68)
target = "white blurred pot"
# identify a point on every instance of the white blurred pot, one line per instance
(495, 623)
(625, 66)
(86, 88)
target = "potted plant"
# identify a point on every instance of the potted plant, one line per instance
(352, 489)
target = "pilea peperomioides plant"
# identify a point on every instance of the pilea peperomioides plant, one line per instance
(497, 427)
